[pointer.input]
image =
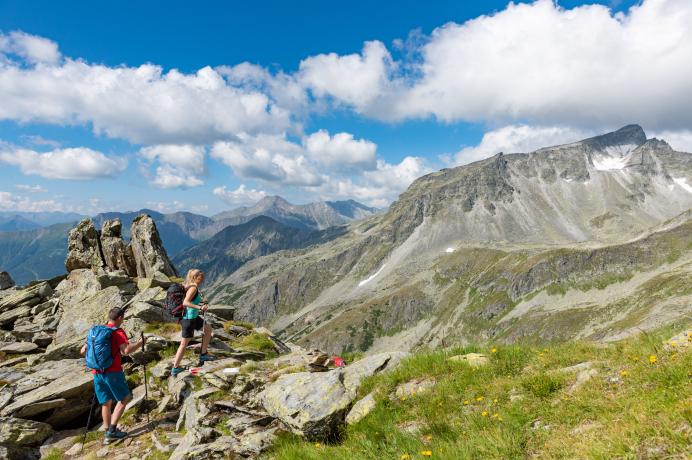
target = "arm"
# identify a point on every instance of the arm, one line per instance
(83, 350)
(127, 348)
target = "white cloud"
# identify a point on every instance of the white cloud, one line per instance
(70, 163)
(39, 140)
(678, 140)
(32, 48)
(536, 63)
(355, 79)
(179, 166)
(11, 202)
(30, 188)
(270, 158)
(378, 187)
(239, 196)
(166, 207)
(518, 138)
(340, 150)
(141, 104)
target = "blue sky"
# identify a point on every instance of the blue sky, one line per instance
(105, 105)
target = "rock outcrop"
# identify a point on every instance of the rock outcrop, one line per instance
(83, 247)
(117, 254)
(6, 281)
(147, 249)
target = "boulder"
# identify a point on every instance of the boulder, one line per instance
(116, 254)
(83, 247)
(226, 312)
(157, 279)
(18, 348)
(147, 249)
(361, 409)
(20, 432)
(13, 315)
(30, 296)
(312, 405)
(6, 281)
(77, 318)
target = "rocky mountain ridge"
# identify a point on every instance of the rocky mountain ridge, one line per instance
(381, 284)
(260, 386)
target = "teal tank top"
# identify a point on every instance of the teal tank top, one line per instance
(192, 313)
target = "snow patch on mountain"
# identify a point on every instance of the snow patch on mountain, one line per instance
(682, 182)
(371, 277)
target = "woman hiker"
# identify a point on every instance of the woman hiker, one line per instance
(191, 320)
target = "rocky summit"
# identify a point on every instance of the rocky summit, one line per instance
(236, 406)
(589, 239)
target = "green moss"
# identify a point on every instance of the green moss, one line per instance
(255, 342)
(54, 454)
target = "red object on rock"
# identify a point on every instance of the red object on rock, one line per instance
(338, 361)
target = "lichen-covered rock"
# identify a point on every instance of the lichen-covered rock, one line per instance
(309, 404)
(6, 281)
(472, 359)
(83, 247)
(116, 254)
(314, 405)
(30, 296)
(147, 249)
(361, 409)
(77, 318)
(20, 432)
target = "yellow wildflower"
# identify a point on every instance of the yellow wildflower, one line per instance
(499, 419)
(496, 415)
(652, 359)
(403, 398)
(673, 343)
(495, 400)
(494, 350)
(318, 445)
(484, 413)
(480, 398)
(405, 457)
(426, 453)
(466, 402)
(624, 373)
(428, 438)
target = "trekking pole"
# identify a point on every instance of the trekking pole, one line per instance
(146, 386)
(86, 428)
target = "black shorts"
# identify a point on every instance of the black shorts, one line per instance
(189, 326)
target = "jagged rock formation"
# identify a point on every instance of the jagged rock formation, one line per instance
(497, 222)
(116, 254)
(83, 247)
(147, 249)
(6, 281)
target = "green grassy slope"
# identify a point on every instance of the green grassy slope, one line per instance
(521, 405)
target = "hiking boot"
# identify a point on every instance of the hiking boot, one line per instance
(177, 370)
(114, 435)
(203, 358)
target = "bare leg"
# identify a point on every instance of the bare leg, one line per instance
(106, 413)
(119, 409)
(206, 338)
(181, 352)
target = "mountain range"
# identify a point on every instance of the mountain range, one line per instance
(30, 248)
(589, 239)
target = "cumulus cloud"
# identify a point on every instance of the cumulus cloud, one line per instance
(12, 202)
(142, 104)
(166, 207)
(518, 138)
(537, 63)
(32, 48)
(341, 149)
(239, 196)
(380, 186)
(270, 158)
(179, 166)
(354, 79)
(70, 163)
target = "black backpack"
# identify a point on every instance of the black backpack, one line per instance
(175, 294)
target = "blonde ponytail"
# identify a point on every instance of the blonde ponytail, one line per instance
(191, 277)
